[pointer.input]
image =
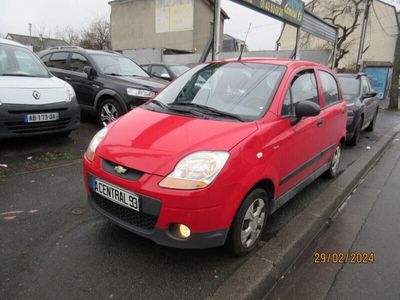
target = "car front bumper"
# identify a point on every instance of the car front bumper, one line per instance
(12, 122)
(160, 210)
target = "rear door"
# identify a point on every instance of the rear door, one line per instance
(299, 145)
(369, 102)
(85, 88)
(333, 115)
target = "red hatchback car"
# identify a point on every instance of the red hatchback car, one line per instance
(207, 160)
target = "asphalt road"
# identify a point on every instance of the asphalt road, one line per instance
(368, 224)
(54, 246)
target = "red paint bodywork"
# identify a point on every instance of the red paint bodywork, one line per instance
(154, 143)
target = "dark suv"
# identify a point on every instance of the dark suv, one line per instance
(104, 81)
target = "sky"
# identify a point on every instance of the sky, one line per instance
(48, 16)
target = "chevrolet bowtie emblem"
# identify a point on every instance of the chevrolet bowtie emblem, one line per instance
(120, 170)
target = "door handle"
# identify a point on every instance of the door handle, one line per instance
(320, 122)
(67, 78)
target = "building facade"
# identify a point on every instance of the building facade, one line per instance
(36, 43)
(182, 25)
(380, 39)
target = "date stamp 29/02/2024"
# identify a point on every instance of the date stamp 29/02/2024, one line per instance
(344, 258)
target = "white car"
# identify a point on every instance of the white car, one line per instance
(32, 100)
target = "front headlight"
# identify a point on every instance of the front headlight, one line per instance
(96, 140)
(140, 93)
(196, 171)
(69, 92)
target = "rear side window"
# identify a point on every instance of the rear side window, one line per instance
(330, 88)
(303, 88)
(78, 62)
(58, 60)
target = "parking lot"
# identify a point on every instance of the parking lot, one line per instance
(53, 244)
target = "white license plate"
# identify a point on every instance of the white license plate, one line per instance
(116, 194)
(47, 117)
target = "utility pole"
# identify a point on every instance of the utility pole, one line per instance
(363, 33)
(394, 87)
(217, 27)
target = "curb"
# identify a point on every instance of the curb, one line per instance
(259, 274)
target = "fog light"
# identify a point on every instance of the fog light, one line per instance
(180, 231)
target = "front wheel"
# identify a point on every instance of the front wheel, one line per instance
(108, 111)
(333, 170)
(249, 223)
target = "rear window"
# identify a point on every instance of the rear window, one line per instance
(350, 85)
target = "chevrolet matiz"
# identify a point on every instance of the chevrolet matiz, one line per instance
(205, 162)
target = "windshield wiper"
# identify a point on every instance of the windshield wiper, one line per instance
(211, 110)
(113, 74)
(178, 109)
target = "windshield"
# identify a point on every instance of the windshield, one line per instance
(18, 61)
(235, 88)
(350, 85)
(179, 70)
(118, 66)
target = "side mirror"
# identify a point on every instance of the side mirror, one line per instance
(165, 76)
(369, 95)
(305, 109)
(90, 72)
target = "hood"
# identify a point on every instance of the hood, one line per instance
(154, 142)
(19, 90)
(150, 83)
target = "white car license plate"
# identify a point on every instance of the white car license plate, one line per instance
(116, 194)
(46, 117)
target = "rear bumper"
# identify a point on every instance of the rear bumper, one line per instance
(12, 119)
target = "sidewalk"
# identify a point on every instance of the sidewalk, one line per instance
(368, 222)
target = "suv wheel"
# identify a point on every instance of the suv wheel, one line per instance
(249, 223)
(108, 111)
(333, 170)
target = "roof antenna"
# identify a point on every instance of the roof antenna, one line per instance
(244, 46)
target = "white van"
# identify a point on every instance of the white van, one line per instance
(32, 100)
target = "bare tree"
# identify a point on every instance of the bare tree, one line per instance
(69, 35)
(346, 15)
(97, 35)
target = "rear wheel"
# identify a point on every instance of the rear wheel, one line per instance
(371, 125)
(333, 170)
(357, 133)
(249, 223)
(108, 111)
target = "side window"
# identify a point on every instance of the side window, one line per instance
(45, 59)
(303, 87)
(145, 67)
(159, 70)
(364, 86)
(58, 60)
(78, 62)
(330, 88)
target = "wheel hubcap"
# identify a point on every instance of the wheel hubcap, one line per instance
(253, 223)
(336, 159)
(108, 113)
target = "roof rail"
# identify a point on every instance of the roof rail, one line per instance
(112, 51)
(64, 47)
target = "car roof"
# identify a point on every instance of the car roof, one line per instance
(79, 50)
(274, 61)
(9, 42)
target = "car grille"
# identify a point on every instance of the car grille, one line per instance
(127, 215)
(22, 127)
(130, 174)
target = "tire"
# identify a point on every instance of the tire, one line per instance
(333, 170)
(356, 136)
(371, 125)
(249, 223)
(108, 111)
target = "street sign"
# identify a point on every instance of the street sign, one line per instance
(288, 11)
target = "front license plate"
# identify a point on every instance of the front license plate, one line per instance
(116, 194)
(47, 117)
